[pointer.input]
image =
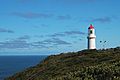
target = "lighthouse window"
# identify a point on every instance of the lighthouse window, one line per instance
(90, 31)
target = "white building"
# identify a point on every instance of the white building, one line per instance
(91, 38)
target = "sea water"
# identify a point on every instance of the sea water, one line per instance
(10, 65)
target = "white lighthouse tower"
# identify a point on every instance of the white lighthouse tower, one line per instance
(91, 38)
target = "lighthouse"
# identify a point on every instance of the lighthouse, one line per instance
(91, 37)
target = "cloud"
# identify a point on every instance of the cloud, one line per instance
(22, 43)
(74, 33)
(52, 41)
(57, 35)
(102, 19)
(6, 30)
(23, 37)
(44, 25)
(67, 33)
(18, 43)
(39, 44)
(80, 39)
(39, 36)
(64, 17)
(57, 41)
(41, 25)
(14, 44)
(31, 15)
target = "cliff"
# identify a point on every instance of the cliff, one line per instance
(81, 65)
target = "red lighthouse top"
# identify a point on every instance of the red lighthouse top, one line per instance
(91, 27)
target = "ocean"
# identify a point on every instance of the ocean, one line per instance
(10, 65)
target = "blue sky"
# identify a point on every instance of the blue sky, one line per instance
(41, 27)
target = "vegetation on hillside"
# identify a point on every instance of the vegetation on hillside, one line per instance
(81, 65)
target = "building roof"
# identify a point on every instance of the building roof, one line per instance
(91, 27)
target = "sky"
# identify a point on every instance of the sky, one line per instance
(45, 27)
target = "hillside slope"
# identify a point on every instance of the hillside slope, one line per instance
(81, 65)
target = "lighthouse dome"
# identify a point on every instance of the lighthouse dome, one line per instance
(91, 27)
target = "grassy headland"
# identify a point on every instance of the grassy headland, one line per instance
(81, 65)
